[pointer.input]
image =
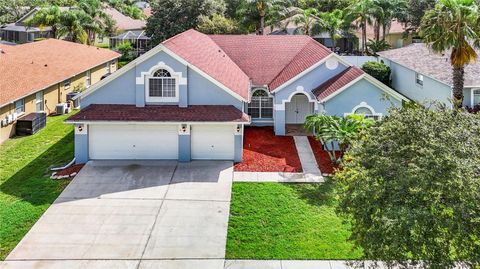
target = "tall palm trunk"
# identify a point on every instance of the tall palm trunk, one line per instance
(262, 14)
(458, 80)
(364, 35)
(376, 30)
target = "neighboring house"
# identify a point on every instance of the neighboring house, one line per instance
(145, 7)
(138, 39)
(35, 77)
(422, 75)
(18, 32)
(123, 22)
(396, 35)
(190, 97)
(343, 44)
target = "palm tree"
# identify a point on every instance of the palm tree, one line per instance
(361, 11)
(385, 12)
(333, 23)
(98, 21)
(307, 22)
(49, 16)
(453, 25)
(258, 10)
(72, 26)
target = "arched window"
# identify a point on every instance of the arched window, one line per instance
(162, 84)
(366, 110)
(261, 105)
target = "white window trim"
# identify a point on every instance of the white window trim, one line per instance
(473, 96)
(365, 105)
(23, 107)
(88, 79)
(39, 101)
(175, 75)
(260, 105)
(417, 75)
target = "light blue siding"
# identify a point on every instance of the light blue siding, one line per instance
(279, 122)
(184, 148)
(119, 91)
(403, 80)
(203, 92)
(81, 148)
(467, 94)
(362, 91)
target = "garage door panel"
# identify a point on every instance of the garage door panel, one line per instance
(133, 142)
(212, 142)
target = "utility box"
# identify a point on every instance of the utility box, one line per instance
(31, 123)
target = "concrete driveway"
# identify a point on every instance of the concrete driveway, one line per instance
(121, 214)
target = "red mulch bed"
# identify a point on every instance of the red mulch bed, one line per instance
(323, 160)
(265, 152)
(70, 170)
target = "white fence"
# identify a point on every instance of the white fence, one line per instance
(359, 60)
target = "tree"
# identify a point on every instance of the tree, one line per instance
(49, 16)
(171, 17)
(415, 12)
(98, 20)
(257, 13)
(334, 23)
(453, 26)
(218, 24)
(411, 188)
(361, 11)
(333, 130)
(386, 11)
(12, 10)
(377, 46)
(72, 24)
(307, 22)
(378, 70)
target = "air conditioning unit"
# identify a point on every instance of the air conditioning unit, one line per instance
(4, 122)
(61, 108)
(15, 116)
(10, 118)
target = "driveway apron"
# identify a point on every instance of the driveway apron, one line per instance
(133, 214)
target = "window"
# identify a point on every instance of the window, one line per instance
(162, 84)
(419, 79)
(476, 97)
(107, 68)
(39, 101)
(365, 110)
(261, 105)
(88, 79)
(19, 106)
(66, 84)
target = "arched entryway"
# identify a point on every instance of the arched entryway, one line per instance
(298, 109)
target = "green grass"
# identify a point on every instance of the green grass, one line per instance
(287, 221)
(26, 190)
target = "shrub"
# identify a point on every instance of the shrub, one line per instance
(378, 70)
(412, 188)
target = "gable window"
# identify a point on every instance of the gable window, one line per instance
(261, 105)
(88, 79)
(19, 106)
(162, 86)
(419, 79)
(365, 110)
(476, 97)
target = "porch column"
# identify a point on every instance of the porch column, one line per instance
(81, 143)
(279, 119)
(184, 149)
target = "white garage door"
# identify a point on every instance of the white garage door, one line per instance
(213, 142)
(133, 142)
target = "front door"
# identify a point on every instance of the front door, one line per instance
(298, 109)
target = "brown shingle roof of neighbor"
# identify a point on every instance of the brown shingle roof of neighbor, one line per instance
(28, 68)
(421, 59)
(161, 113)
(336, 83)
(124, 22)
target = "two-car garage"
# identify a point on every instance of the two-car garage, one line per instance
(160, 141)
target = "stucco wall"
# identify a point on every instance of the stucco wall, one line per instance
(362, 91)
(403, 80)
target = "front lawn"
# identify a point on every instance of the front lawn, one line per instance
(26, 190)
(287, 221)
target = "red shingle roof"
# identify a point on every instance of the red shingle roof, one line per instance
(201, 51)
(336, 83)
(272, 60)
(28, 68)
(164, 113)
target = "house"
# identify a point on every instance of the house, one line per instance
(18, 31)
(344, 43)
(422, 75)
(35, 77)
(137, 38)
(396, 36)
(191, 96)
(123, 22)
